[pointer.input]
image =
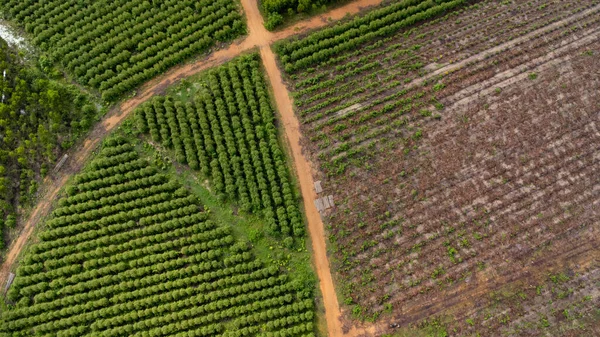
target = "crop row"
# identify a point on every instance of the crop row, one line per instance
(115, 46)
(321, 46)
(228, 133)
(164, 269)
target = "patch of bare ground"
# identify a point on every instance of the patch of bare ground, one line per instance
(530, 36)
(505, 183)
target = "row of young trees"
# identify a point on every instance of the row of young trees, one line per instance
(179, 284)
(323, 45)
(91, 201)
(122, 168)
(93, 239)
(227, 132)
(116, 45)
(40, 117)
(122, 182)
(174, 273)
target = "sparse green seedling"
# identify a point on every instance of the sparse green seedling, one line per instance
(438, 86)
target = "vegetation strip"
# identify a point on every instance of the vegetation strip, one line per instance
(177, 272)
(118, 46)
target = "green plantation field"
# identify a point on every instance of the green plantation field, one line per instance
(40, 117)
(129, 251)
(114, 46)
(224, 127)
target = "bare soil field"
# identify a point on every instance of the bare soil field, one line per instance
(463, 156)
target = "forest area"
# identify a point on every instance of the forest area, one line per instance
(41, 116)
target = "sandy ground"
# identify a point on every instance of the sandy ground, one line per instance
(258, 37)
(8, 35)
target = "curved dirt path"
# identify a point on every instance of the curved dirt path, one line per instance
(258, 37)
(324, 19)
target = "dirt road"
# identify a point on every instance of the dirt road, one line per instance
(303, 170)
(258, 37)
(324, 19)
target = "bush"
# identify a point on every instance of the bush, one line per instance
(11, 221)
(273, 20)
(288, 242)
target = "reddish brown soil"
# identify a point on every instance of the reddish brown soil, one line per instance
(304, 174)
(505, 178)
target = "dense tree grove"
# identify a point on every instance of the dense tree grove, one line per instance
(277, 10)
(324, 44)
(115, 46)
(129, 252)
(39, 118)
(228, 133)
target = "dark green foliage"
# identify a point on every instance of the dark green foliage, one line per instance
(39, 118)
(115, 46)
(275, 9)
(228, 133)
(130, 252)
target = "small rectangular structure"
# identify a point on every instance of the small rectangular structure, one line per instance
(318, 187)
(61, 163)
(319, 204)
(324, 203)
(11, 277)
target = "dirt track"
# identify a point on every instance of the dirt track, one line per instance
(303, 170)
(258, 37)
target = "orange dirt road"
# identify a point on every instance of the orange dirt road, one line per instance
(258, 36)
(303, 170)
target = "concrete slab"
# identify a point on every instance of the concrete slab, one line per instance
(319, 205)
(11, 277)
(318, 187)
(326, 202)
